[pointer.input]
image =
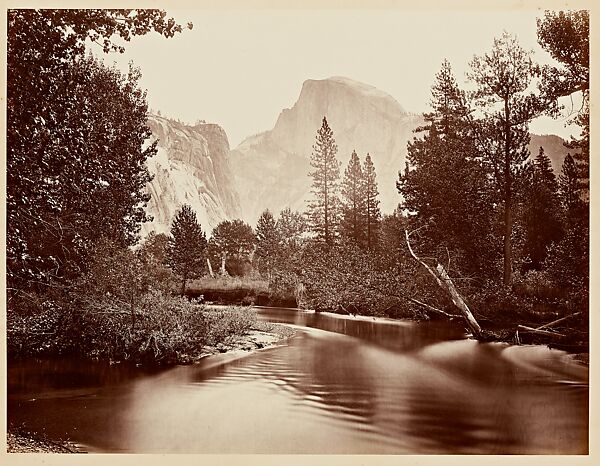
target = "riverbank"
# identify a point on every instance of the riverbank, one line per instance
(28, 442)
(238, 291)
(262, 335)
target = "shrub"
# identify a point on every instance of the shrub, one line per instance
(225, 324)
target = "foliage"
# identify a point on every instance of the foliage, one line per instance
(291, 226)
(348, 279)
(186, 246)
(75, 139)
(353, 223)
(446, 184)
(373, 214)
(233, 242)
(226, 324)
(268, 243)
(568, 186)
(323, 211)
(153, 257)
(112, 314)
(503, 78)
(224, 283)
(566, 36)
(542, 220)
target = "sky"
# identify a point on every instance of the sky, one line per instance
(240, 68)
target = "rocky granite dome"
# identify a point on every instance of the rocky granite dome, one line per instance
(271, 168)
(191, 167)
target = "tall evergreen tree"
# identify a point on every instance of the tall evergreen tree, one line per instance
(569, 187)
(503, 77)
(323, 211)
(373, 214)
(354, 201)
(268, 243)
(542, 219)
(187, 246)
(445, 184)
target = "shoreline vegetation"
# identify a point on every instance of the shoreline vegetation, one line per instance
(257, 336)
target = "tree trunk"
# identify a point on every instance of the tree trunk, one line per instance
(444, 281)
(507, 238)
(223, 264)
(507, 198)
(183, 282)
(210, 270)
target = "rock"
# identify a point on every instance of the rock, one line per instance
(191, 167)
(271, 169)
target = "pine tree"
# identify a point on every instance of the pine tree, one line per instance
(187, 246)
(267, 243)
(568, 185)
(503, 77)
(372, 203)
(542, 220)
(445, 183)
(354, 201)
(324, 209)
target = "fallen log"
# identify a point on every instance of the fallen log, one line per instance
(430, 308)
(536, 331)
(443, 280)
(554, 322)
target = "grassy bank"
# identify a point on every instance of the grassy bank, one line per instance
(238, 291)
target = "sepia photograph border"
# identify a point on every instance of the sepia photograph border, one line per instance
(267, 460)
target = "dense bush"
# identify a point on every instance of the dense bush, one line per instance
(163, 329)
(225, 324)
(118, 311)
(346, 278)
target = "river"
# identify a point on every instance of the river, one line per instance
(340, 385)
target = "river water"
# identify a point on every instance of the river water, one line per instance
(340, 385)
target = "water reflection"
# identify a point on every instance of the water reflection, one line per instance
(325, 393)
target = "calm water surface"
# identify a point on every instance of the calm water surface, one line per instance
(341, 385)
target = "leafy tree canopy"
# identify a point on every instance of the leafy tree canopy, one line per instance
(76, 133)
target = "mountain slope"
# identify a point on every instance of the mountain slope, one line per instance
(271, 169)
(191, 167)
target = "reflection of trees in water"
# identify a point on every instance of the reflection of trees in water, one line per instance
(489, 405)
(449, 398)
(57, 374)
(400, 337)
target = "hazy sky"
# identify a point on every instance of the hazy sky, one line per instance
(241, 68)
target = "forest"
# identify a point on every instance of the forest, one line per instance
(485, 233)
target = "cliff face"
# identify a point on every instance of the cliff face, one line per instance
(272, 168)
(190, 167)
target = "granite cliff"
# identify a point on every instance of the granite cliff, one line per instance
(191, 167)
(272, 168)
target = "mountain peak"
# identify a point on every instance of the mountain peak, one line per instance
(359, 89)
